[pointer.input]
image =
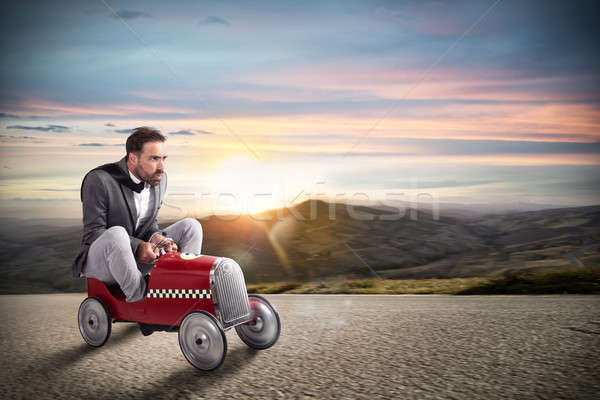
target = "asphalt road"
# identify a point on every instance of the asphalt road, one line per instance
(336, 346)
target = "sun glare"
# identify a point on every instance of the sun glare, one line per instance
(246, 186)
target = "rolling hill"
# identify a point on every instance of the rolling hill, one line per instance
(306, 243)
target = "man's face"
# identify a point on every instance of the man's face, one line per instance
(149, 165)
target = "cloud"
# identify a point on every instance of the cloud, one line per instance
(15, 116)
(183, 133)
(47, 128)
(131, 14)
(191, 132)
(104, 107)
(211, 20)
(109, 124)
(482, 147)
(5, 115)
(58, 190)
(98, 144)
(123, 130)
(13, 138)
(16, 137)
(446, 183)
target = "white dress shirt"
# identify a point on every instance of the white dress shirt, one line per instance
(142, 202)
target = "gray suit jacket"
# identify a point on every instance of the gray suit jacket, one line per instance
(107, 203)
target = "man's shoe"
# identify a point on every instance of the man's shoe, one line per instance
(146, 329)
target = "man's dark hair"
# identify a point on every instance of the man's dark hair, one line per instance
(141, 135)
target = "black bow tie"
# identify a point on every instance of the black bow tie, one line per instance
(137, 187)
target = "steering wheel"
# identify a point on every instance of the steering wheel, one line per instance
(161, 250)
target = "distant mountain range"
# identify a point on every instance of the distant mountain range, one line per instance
(316, 240)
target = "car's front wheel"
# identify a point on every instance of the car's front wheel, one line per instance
(202, 340)
(263, 330)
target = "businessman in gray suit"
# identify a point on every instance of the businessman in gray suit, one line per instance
(121, 238)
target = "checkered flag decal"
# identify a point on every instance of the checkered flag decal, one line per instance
(179, 293)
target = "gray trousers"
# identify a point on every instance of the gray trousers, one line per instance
(111, 260)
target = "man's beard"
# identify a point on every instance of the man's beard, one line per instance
(147, 179)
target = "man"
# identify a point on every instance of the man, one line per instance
(121, 238)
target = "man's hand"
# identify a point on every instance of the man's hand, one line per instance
(145, 254)
(167, 245)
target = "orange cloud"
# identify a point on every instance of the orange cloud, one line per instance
(436, 84)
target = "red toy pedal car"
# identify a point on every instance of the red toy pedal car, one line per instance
(198, 296)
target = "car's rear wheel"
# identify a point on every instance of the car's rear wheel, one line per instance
(94, 321)
(263, 330)
(202, 340)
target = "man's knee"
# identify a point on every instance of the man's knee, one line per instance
(117, 232)
(117, 236)
(114, 240)
(192, 224)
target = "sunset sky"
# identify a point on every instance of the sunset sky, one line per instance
(474, 102)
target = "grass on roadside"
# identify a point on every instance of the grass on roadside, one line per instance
(584, 280)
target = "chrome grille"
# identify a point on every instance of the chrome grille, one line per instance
(229, 293)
